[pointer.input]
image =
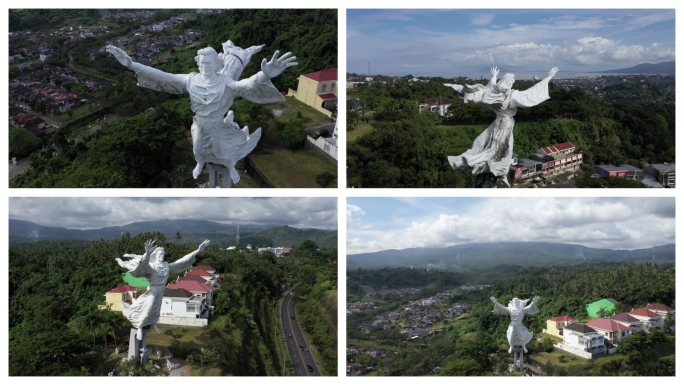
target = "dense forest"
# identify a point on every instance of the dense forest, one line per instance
(476, 344)
(55, 327)
(408, 149)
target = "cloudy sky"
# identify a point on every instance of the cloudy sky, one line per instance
(468, 42)
(88, 213)
(375, 224)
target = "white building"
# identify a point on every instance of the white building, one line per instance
(181, 307)
(648, 319)
(583, 341)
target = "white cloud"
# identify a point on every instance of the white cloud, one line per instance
(482, 18)
(84, 213)
(617, 223)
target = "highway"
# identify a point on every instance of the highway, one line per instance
(297, 347)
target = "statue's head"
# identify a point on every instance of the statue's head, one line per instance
(506, 82)
(517, 303)
(208, 61)
(158, 255)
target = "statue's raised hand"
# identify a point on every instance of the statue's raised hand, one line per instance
(553, 71)
(494, 71)
(276, 65)
(535, 299)
(120, 55)
(149, 246)
(493, 299)
(204, 244)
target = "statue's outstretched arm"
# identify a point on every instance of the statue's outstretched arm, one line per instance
(531, 309)
(498, 308)
(149, 77)
(185, 262)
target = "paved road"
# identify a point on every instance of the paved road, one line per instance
(294, 338)
(21, 167)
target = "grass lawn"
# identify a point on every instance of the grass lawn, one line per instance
(360, 130)
(285, 168)
(310, 116)
(197, 336)
(552, 357)
(76, 113)
(197, 371)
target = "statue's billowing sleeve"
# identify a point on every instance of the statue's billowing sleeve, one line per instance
(258, 92)
(534, 95)
(157, 80)
(500, 309)
(531, 309)
(142, 269)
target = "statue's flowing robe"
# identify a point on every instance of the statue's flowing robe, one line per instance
(517, 333)
(145, 309)
(492, 150)
(214, 140)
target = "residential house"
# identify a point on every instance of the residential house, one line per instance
(318, 90)
(414, 333)
(629, 321)
(119, 295)
(661, 309)
(206, 273)
(437, 105)
(608, 306)
(648, 318)
(662, 173)
(583, 341)
(612, 330)
(198, 289)
(554, 325)
(182, 307)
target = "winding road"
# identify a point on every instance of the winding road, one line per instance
(297, 347)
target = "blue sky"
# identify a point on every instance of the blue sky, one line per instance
(469, 41)
(375, 224)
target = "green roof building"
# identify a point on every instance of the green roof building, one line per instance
(138, 282)
(609, 306)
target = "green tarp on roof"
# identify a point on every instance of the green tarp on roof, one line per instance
(138, 282)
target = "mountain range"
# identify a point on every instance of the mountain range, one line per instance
(192, 231)
(471, 257)
(665, 68)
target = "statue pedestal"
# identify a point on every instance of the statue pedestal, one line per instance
(214, 170)
(518, 354)
(138, 348)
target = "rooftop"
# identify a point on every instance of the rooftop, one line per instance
(324, 75)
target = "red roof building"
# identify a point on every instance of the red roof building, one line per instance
(611, 330)
(648, 318)
(318, 90)
(324, 75)
(661, 309)
(555, 325)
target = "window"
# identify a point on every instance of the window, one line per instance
(323, 88)
(192, 308)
